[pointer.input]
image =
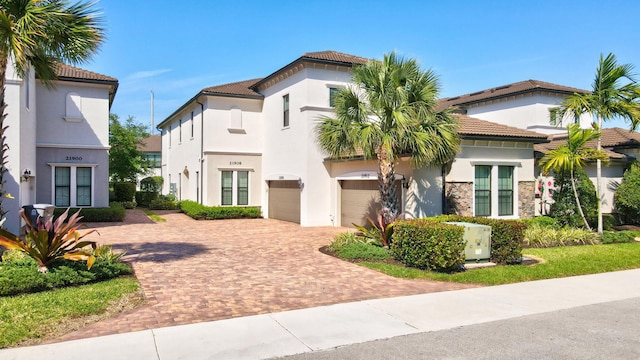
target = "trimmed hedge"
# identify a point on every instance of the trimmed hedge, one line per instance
(114, 213)
(144, 198)
(201, 212)
(124, 191)
(507, 236)
(429, 245)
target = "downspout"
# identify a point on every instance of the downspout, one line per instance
(201, 150)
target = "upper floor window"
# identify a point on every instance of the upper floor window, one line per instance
(285, 106)
(73, 108)
(332, 94)
(154, 159)
(180, 132)
(191, 124)
(169, 135)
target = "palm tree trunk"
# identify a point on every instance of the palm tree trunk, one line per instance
(575, 193)
(3, 137)
(387, 184)
(599, 179)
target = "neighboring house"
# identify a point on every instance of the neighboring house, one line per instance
(152, 148)
(254, 143)
(58, 140)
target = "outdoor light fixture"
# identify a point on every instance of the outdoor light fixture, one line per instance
(26, 174)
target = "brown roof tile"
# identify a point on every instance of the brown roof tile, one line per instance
(507, 90)
(331, 55)
(240, 88)
(71, 72)
(152, 143)
(611, 139)
(475, 127)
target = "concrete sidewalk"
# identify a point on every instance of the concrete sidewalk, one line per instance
(300, 331)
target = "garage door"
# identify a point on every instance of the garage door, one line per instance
(360, 199)
(284, 200)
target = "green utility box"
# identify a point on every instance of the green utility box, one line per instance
(478, 239)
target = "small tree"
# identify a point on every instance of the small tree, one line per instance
(564, 209)
(627, 197)
(126, 161)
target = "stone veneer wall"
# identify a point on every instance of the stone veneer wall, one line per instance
(526, 201)
(459, 198)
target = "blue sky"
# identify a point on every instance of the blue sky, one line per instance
(176, 48)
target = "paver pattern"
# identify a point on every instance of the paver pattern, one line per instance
(194, 271)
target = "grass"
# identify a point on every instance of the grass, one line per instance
(31, 318)
(154, 216)
(560, 262)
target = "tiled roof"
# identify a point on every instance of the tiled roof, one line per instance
(151, 144)
(507, 90)
(71, 72)
(240, 88)
(331, 55)
(611, 138)
(475, 127)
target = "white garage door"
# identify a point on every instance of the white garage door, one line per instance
(284, 200)
(361, 199)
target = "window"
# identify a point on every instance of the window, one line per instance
(494, 190)
(27, 90)
(73, 186)
(235, 186)
(83, 186)
(505, 190)
(483, 190)
(191, 124)
(63, 186)
(180, 132)
(227, 188)
(154, 160)
(169, 135)
(285, 103)
(332, 93)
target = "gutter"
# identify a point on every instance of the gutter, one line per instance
(201, 158)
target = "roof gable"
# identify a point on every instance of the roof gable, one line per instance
(240, 89)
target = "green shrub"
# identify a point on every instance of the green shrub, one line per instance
(429, 245)
(537, 236)
(114, 213)
(564, 208)
(362, 251)
(13, 255)
(545, 221)
(617, 237)
(201, 212)
(124, 191)
(22, 276)
(626, 199)
(609, 222)
(163, 204)
(343, 239)
(506, 236)
(152, 184)
(144, 198)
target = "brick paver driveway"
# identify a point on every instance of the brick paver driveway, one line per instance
(193, 271)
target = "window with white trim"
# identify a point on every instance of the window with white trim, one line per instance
(73, 186)
(332, 94)
(494, 190)
(234, 187)
(285, 111)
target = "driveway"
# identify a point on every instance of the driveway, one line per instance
(194, 271)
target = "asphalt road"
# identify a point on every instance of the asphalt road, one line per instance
(603, 331)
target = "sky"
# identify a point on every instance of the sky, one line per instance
(176, 48)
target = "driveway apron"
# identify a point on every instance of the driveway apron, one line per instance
(194, 271)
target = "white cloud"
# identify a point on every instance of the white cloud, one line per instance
(147, 74)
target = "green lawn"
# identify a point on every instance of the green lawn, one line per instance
(560, 262)
(26, 318)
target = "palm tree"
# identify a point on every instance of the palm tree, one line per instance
(38, 34)
(574, 154)
(390, 111)
(609, 98)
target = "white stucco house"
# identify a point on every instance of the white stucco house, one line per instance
(58, 140)
(252, 143)
(151, 147)
(528, 105)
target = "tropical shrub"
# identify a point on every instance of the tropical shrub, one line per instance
(380, 229)
(105, 253)
(48, 241)
(626, 199)
(609, 222)
(564, 208)
(124, 191)
(545, 221)
(506, 236)
(538, 236)
(618, 237)
(201, 212)
(345, 238)
(429, 245)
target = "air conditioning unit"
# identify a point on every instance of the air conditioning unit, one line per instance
(478, 239)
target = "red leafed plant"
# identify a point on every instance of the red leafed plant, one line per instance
(47, 241)
(381, 229)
